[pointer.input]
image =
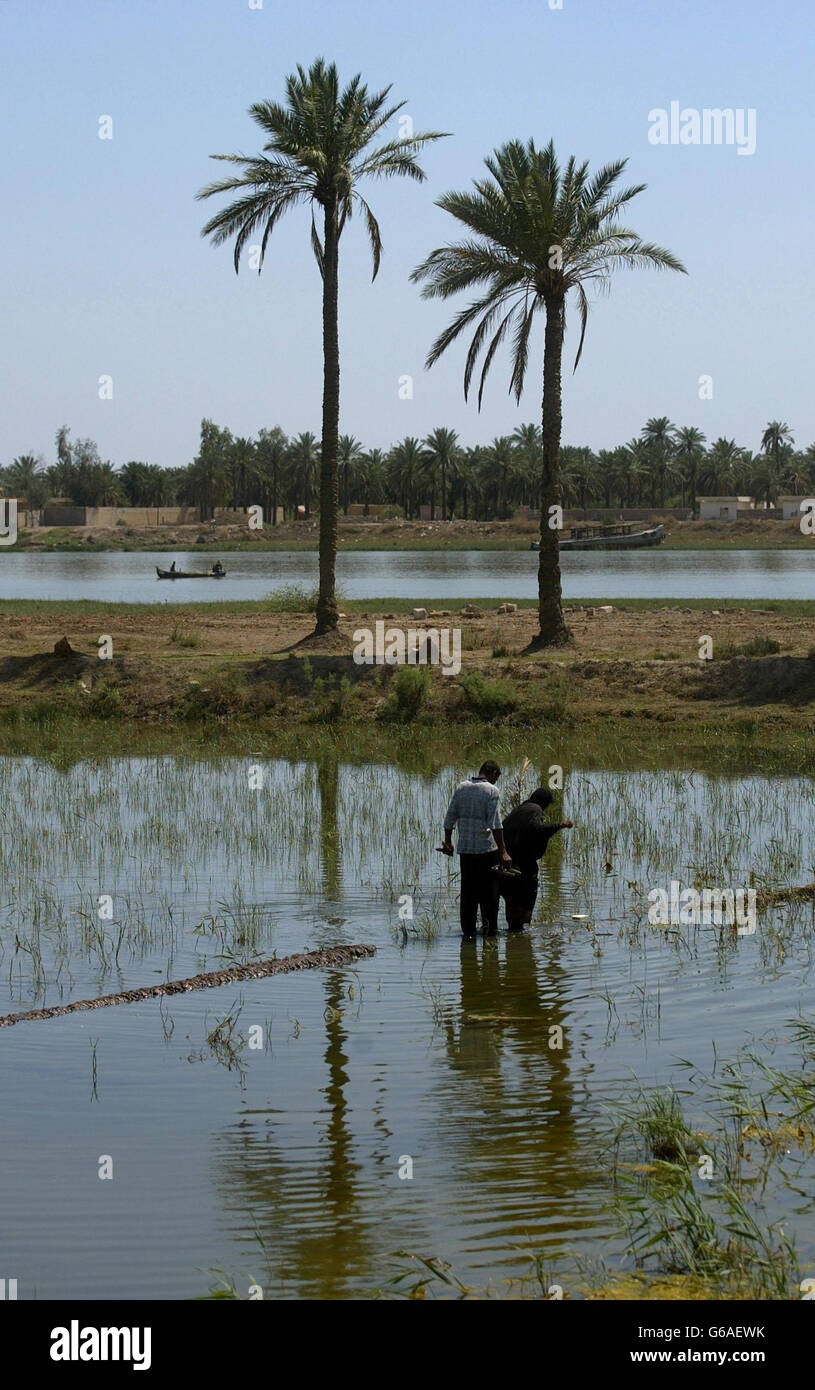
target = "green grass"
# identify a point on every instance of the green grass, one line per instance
(184, 636)
(46, 730)
(797, 608)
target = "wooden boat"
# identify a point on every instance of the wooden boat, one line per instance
(190, 574)
(609, 538)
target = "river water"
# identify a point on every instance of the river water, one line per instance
(452, 574)
(284, 1163)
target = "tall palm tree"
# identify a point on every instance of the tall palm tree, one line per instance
(689, 443)
(539, 232)
(319, 149)
(441, 447)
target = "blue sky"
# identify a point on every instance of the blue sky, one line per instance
(105, 271)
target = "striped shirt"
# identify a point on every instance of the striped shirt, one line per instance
(475, 807)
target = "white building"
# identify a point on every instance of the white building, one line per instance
(720, 508)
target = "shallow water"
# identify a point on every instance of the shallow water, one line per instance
(432, 1050)
(454, 574)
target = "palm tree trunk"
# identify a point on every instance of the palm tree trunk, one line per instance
(327, 612)
(553, 630)
(443, 491)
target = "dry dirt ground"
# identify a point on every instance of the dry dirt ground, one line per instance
(633, 635)
(643, 663)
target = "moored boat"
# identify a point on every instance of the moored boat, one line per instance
(609, 538)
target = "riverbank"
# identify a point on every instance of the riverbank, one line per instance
(358, 534)
(630, 689)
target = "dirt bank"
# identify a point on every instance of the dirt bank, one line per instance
(396, 534)
(254, 664)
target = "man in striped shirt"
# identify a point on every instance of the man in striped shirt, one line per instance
(475, 809)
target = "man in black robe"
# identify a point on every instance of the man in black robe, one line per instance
(526, 836)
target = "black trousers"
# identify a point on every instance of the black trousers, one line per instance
(479, 889)
(519, 897)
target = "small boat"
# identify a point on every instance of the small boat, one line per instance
(608, 538)
(190, 574)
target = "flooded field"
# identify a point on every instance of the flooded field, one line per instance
(499, 1106)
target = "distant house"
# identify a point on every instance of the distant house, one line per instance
(790, 507)
(720, 508)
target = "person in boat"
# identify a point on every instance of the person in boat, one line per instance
(218, 568)
(172, 568)
(527, 836)
(475, 809)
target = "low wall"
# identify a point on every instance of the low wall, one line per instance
(614, 514)
(379, 509)
(105, 518)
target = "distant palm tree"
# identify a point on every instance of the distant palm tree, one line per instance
(303, 461)
(104, 487)
(404, 467)
(349, 450)
(272, 449)
(468, 472)
(528, 441)
(580, 474)
(607, 473)
(638, 471)
(243, 470)
(317, 152)
(689, 443)
(501, 460)
(775, 437)
(657, 435)
(539, 232)
(441, 447)
(721, 462)
(25, 477)
(796, 473)
(618, 470)
(369, 470)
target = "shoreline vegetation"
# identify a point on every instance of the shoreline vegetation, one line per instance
(243, 677)
(360, 534)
